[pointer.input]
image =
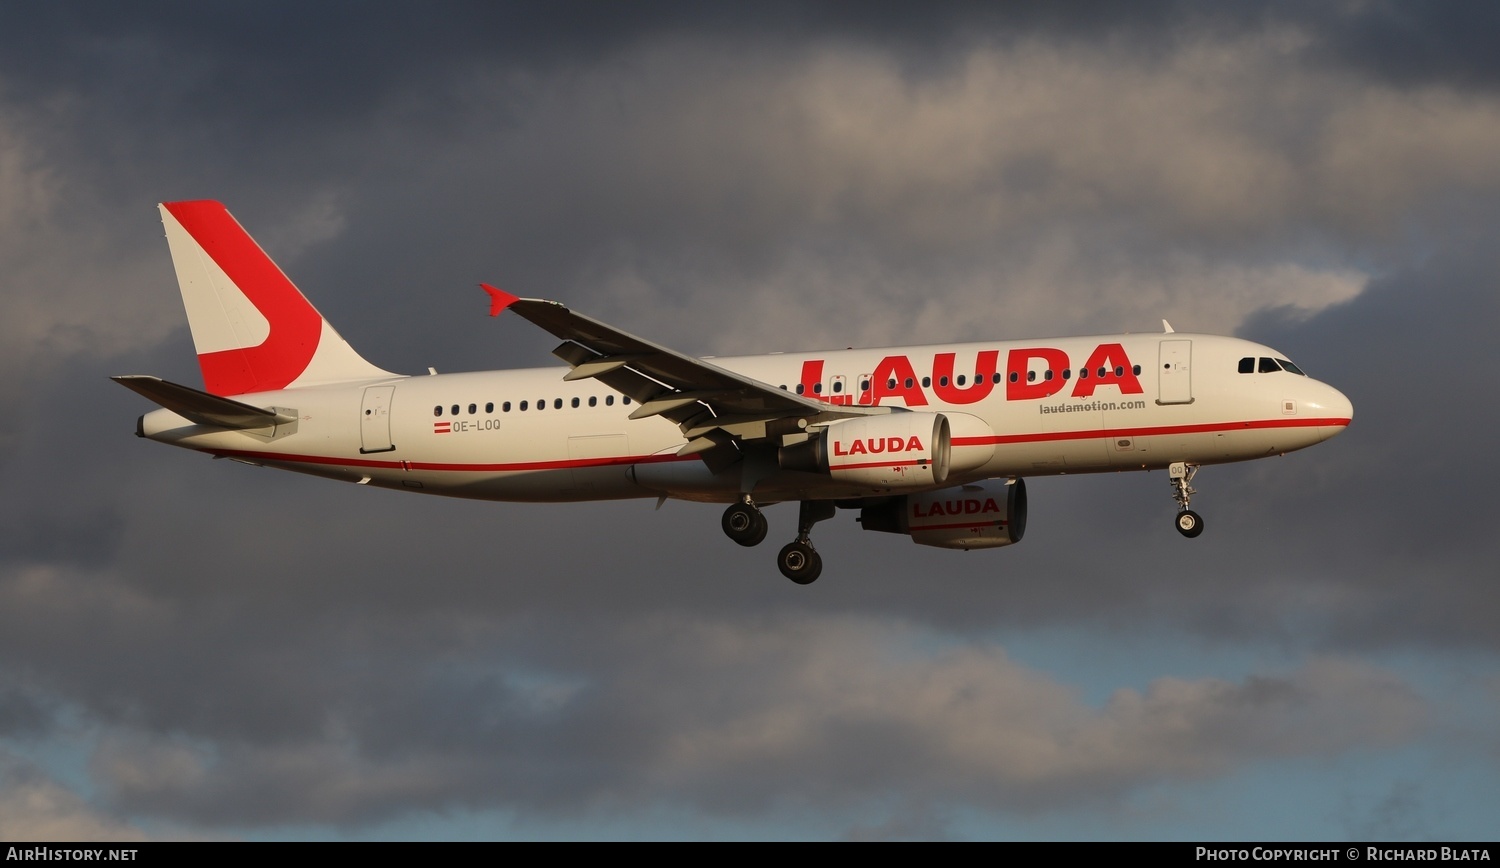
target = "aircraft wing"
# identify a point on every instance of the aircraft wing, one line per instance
(714, 406)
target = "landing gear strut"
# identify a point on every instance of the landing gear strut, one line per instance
(745, 523)
(798, 560)
(1181, 474)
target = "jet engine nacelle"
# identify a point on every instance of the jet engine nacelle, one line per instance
(898, 450)
(984, 515)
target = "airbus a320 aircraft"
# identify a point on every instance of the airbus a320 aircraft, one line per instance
(933, 442)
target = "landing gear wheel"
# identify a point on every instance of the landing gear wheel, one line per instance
(1180, 474)
(745, 524)
(800, 562)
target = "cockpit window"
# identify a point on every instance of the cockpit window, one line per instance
(1248, 365)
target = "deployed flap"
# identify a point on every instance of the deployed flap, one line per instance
(201, 407)
(693, 393)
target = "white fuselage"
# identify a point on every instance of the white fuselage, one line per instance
(1026, 409)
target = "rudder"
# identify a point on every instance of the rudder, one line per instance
(252, 328)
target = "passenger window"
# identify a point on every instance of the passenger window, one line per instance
(1268, 365)
(817, 388)
(943, 381)
(799, 388)
(1031, 376)
(473, 408)
(1047, 375)
(455, 409)
(489, 407)
(542, 404)
(593, 400)
(557, 403)
(909, 382)
(523, 406)
(961, 379)
(1136, 370)
(926, 382)
(609, 400)
(1015, 377)
(997, 378)
(891, 383)
(505, 408)
(438, 410)
(1083, 373)
(864, 385)
(625, 399)
(1247, 365)
(837, 387)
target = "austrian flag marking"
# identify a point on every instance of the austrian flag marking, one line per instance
(442, 427)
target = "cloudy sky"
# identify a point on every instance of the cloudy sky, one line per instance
(199, 649)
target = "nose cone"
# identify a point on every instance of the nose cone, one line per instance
(1335, 408)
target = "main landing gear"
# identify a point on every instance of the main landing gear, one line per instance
(744, 523)
(1181, 474)
(799, 561)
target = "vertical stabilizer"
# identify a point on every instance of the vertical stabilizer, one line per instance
(253, 330)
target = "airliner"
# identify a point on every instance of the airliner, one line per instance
(932, 442)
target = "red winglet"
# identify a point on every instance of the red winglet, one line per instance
(499, 299)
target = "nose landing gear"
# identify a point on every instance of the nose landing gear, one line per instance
(1181, 474)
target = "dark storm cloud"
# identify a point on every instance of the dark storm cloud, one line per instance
(1446, 44)
(269, 60)
(261, 648)
(292, 62)
(823, 713)
(22, 714)
(1412, 352)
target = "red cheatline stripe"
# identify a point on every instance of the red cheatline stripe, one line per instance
(835, 468)
(575, 463)
(518, 466)
(1004, 439)
(973, 524)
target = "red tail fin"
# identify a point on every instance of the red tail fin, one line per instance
(253, 330)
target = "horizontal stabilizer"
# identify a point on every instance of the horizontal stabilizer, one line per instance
(201, 407)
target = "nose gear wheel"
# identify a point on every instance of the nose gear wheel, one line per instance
(1181, 474)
